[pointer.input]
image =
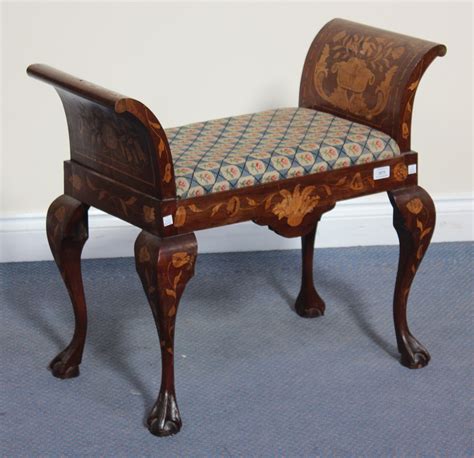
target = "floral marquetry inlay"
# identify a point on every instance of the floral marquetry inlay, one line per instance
(415, 219)
(400, 171)
(296, 205)
(364, 67)
(415, 206)
(290, 204)
(164, 283)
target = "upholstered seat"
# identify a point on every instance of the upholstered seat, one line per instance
(272, 145)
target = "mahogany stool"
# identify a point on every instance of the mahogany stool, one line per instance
(283, 168)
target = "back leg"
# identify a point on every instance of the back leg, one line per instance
(308, 304)
(67, 231)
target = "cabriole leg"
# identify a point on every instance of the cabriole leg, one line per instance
(165, 266)
(308, 304)
(414, 220)
(67, 231)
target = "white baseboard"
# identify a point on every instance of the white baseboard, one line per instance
(362, 221)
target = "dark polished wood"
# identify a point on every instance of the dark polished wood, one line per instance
(308, 303)
(293, 202)
(121, 163)
(164, 267)
(67, 230)
(414, 218)
(367, 75)
(114, 135)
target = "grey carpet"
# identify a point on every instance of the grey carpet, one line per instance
(253, 379)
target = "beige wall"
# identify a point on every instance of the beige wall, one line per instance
(190, 62)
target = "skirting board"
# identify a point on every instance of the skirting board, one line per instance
(362, 221)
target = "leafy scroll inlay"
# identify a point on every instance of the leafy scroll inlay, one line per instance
(172, 279)
(359, 63)
(406, 118)
(424, 226)
(124, 204)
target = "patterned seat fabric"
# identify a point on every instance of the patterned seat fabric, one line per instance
(247, 150)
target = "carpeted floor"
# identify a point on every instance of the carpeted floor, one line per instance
(253, 379)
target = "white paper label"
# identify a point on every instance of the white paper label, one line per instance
(167, 220)
(381, 172)
(411, 169)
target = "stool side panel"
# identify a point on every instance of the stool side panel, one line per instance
(114, 145)
(367, 75)
(114, 135)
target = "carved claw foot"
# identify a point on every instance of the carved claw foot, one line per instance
(63, 367)
(164, 418)
(309, 305)
(413, 354)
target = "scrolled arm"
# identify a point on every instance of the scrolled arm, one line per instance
(367, 75)
(114, 135)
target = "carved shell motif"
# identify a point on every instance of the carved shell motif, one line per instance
(354, 64)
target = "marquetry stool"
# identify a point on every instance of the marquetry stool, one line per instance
(282, 168)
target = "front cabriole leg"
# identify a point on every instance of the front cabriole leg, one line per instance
(414, 220)
(165, 265)
(67, 230)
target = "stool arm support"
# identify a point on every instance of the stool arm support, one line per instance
(367, 75)
(112, 134)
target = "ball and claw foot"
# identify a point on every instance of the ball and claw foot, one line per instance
(413, 354)
(164, 418)
(309, 306)
(61, 366)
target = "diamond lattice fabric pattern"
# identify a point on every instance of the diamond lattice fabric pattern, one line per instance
(273, 145)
